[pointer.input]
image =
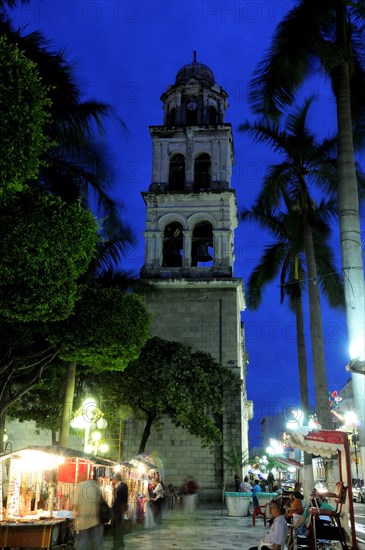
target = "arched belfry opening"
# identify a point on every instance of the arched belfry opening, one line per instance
(213, 116)
(172, 117)
(173, 245)
(202, 172)
(202, 251)
(177, 173)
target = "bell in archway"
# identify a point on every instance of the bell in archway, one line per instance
(172, 256)
(202, 254)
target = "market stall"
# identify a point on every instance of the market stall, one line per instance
(141, 472)
(331, 443)
(38, 493)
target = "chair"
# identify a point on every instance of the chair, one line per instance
(258, 511)
(334, 529)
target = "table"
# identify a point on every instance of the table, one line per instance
(36, 534)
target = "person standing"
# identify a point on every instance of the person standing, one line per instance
(157, 503)
(87, 509)
(255, 490)
(190, 496)
(119, 508)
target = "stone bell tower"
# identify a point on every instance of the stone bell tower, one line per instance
(192, 293)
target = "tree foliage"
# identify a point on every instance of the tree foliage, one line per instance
(169, 379)
(23, 115)
(106, 332)
(45, 246)
(43, 403)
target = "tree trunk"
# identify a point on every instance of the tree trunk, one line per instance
(146, 434)
(315, 315)
(302, 360)
(67, 405)
(307, 472)
(350, 239)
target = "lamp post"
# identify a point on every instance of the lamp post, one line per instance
(87, 416)
(351, 422)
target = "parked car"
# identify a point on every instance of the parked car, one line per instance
(358, 490)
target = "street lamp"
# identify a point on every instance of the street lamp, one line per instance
(85, 418)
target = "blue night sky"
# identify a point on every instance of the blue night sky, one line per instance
(127, 53)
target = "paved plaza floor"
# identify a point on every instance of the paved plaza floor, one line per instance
(209, 529)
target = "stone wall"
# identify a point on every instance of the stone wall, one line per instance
(205, 315)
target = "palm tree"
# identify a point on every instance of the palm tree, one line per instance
(285, 258)
(328, 34)
(286, 182)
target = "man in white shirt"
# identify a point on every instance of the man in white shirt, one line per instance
(278, 533)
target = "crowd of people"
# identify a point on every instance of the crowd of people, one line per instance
(285, 509)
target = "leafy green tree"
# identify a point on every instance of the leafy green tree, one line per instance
(106, 332)
(329, 34)
(304, 163)
(190, 385)
(45, 246)
(24, 356)
(23, 116)
(43, 403)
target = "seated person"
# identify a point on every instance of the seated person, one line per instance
(277, 535)
(301, 523)
(296, 506)
(246, 486)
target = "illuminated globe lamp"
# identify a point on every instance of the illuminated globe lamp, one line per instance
(85, 418)
(102, 423)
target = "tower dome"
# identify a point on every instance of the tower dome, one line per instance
(196, 70)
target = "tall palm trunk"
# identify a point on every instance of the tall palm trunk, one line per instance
(349, 221)
(307, 481)
(68, 404)
(302, 359)
(315, 315)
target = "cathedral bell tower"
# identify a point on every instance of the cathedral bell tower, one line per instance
(191, 209)
(188, 264)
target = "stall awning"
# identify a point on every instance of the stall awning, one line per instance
(289, 462)
(324, 443)
(57, 450)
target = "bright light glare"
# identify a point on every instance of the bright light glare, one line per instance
(79, 422)
(36, 460)
(291, 469)
(292, 424)
(141, 468)
(89, 402)
(96, 436)
(350, 418)
(102, 423)
(117, 468)
(357, 349)
(104, 448)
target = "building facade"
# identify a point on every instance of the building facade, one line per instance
(191, 291)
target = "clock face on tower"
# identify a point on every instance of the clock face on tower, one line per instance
(192, 105)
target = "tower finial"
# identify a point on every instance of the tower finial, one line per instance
(194, 56)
